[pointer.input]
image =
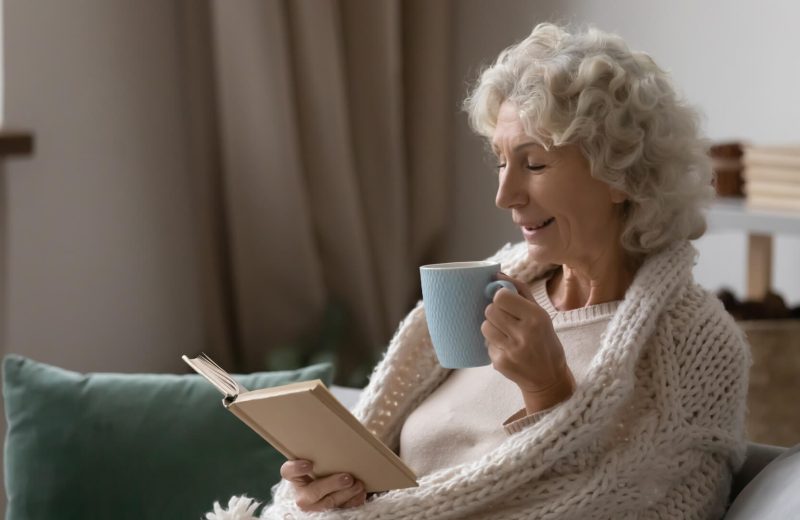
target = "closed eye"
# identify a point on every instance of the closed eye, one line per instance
(531, 167)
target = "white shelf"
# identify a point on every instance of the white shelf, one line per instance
(760, 226)
(735, 215)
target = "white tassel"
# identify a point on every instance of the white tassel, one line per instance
(239, 508)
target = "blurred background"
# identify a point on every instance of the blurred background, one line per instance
(260, 180)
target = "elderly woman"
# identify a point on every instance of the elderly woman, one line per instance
(617, 385)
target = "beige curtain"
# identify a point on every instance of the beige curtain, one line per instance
(319, 135)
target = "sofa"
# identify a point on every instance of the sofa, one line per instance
(162, 446)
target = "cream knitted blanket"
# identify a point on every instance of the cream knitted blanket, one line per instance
(654, 431)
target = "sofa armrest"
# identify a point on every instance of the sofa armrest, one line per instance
(772, 493)
(758, 456)
(347, 396)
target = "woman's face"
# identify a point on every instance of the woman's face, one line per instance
(566, 215)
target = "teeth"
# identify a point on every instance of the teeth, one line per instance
(539, 226)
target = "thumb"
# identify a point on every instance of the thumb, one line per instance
(522, 287)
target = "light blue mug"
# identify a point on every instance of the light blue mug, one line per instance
(455, 296)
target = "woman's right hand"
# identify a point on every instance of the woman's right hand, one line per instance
(339, 490)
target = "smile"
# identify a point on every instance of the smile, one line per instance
(540, 226)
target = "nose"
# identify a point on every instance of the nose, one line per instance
(510, 191)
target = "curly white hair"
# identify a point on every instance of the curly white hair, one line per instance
(621, 109)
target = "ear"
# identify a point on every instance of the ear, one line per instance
(617, 196)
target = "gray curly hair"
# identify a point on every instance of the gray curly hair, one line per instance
(621, 109)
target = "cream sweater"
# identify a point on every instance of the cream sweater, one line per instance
(655, 429)
(475, 409)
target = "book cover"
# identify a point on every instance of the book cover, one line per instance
(305, 421)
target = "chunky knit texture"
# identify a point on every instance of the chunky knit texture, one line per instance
(654, 431)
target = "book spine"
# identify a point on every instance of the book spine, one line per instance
(763, 173)
(773, 189)
(754, 158)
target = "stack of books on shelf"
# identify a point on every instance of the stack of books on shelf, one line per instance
(726, 160)
(772, 177)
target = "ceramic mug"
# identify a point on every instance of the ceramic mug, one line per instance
(455, 296)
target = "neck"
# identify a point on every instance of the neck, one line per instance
(582, 284)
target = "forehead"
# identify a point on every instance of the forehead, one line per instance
(509, 130)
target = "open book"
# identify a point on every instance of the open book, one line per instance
(305, 421)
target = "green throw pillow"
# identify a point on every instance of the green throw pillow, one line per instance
(130, 445)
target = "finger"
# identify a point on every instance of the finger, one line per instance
(492, 334)
(340, 498)
(297, 471)
(497, 356)
(522, 287)
(359, 500)
(501, 319)
(318, 493)
(335, 499)
(516, 306)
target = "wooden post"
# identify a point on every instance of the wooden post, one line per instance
(759, 266)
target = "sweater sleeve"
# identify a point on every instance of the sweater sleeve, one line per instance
(522, 419)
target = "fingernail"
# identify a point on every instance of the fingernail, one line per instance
(344, 479)
(305, 466)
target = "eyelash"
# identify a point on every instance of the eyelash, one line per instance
(534, 168)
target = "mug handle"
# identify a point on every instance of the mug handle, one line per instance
(493, 287)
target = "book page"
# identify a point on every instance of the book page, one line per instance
(215, 375)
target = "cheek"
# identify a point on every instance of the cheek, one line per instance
(582, 205)
(582, 218)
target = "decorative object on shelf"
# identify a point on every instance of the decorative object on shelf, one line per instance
(773, 331)
(726, 160)
(771, 307)
(772, 177)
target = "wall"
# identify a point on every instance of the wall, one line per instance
(101, 274)
(733, 60)
(2, 67)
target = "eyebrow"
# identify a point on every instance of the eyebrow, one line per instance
(516, 148)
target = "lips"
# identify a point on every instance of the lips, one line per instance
(538, 225)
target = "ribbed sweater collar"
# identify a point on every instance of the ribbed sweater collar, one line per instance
(574, 317)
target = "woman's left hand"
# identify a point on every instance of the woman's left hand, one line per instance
(524, 347)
